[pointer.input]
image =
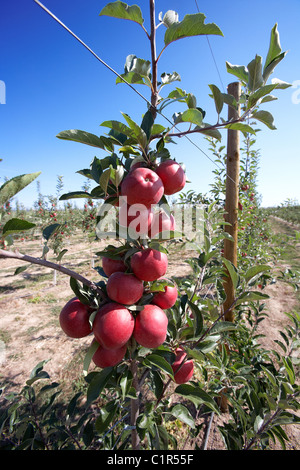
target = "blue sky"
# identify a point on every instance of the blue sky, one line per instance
(53, 83)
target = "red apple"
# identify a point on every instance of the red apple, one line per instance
(124, 288)
(111, 266)
(108, 357)
(185, 373)
(149, 264)
(166, 299)
(142, 186)
(172, 176)
(161, 222)
(74, 319)
(113, 325)
(151, 325)
(137, 218)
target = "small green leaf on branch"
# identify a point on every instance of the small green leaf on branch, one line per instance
(123, 11)
(191, 25)
(16, 225)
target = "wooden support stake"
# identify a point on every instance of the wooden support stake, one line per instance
(232, 197)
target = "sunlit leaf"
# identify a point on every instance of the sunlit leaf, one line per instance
(266, 118)
(191, 25)
(83, 137)
(13, 186)
(274, 47)
(182, 413)
(239, 71)
(255, 73)
(190, 115)
(218, 98)
(121, 10)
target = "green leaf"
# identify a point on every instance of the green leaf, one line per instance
(137, 131)
(79, 292)
(191, 25)
(270, 376)
(182, 413)
(76, 135)
(167, 78)
(137, 65)
(230, 100)
(198, 318)
(104, 179)
(289, 369)
(251, 296)
(196, 395)
(96, 169)
(221, 326)
(118, 127)
(209, 344)
(265, 117)
(16, 225)
(239, 126)
(105, 417)
(88, 356)
(147, 123)
(133, 78)
(125, 383)
(190, 115)
(274, 47)
(280, 84)
(268, 98)
(209, 131)
(239, 71)
(61, 254)
(75, 195)
(121, 10)
(13, 186)
(218, 98)
(20, 269)
(38, 373)
(235, 278)
(255, 270)
(48, 231)
(98, 383)
(258, 94)
(270, 68)
(157, 129)
(160, 362)
(136, 71)
(255, 74)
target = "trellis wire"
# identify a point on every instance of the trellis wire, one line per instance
(124, 80)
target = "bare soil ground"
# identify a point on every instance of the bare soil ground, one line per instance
(30, 303)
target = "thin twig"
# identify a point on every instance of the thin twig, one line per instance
(57, 267)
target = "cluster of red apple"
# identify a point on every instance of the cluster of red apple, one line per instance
(141, 191)
(114, 324)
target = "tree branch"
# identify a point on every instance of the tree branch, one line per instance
(57, 267)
